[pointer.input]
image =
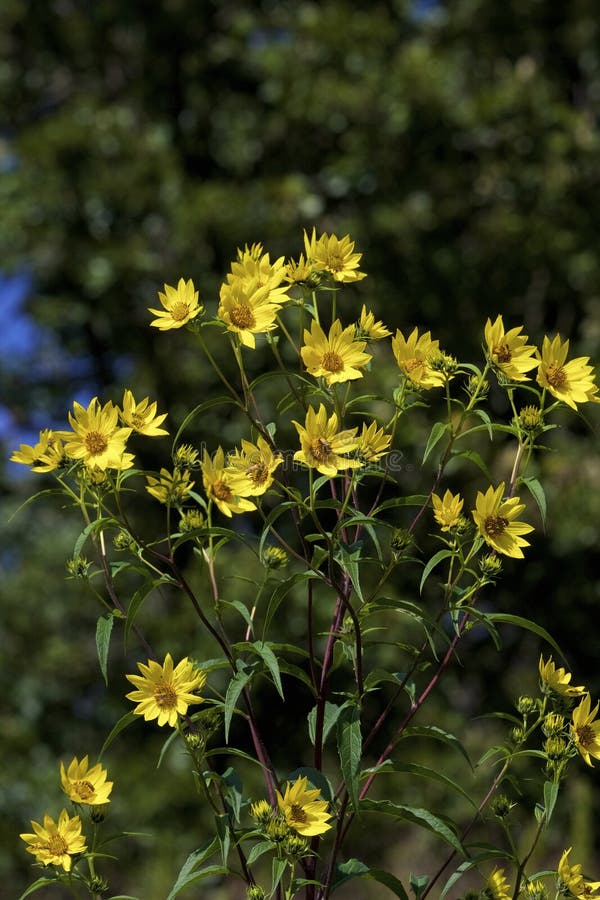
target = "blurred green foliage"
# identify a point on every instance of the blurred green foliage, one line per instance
(459, 149)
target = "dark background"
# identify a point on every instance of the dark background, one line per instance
(458, 144)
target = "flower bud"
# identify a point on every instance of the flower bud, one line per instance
(491, 565)
(553, 725)
(255, 892)
(526, 705)
(501, 806)
(274, 558)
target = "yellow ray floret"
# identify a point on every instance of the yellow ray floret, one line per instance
(414, 356)
(180, 305)
(572, 881)
(496, 521)
(247, 310)
(226, 487)
(96, 437)
(336, 357)
(334, 255)
(86, 785)
(557, 680)
(585, 730)
(509, 351)
(447, 510)
(255, 462)
(571, 382)
(323, 447)
(164, 692)
(142, 416)
(54, 843)
(302, 809)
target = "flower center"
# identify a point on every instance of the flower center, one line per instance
(84, 790)
(495, 525)
(502, 353)
(95, 443)
(136, 421)
(242, 316)
(332, 361)
(556, 376)
(411, 364)
(320, 449)
(165, 695)
(258, 472)
(180, 310)
(57, 845)
(298, 814)
(585, 735)
(334, 261)
(222, 491)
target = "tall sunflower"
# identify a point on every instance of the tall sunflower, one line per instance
(414, 356)
(585, 730)
(509, 351)
(323, 447)
(97, 438)
(164, 692)
(54, 843)
(571, 382)
(256, 462)
(227, 488)
(85, 784)
(496, 521)
(571, 878)
(247, 310)
(334, 255)
(302, 808)
(180, 305)
(336, 357)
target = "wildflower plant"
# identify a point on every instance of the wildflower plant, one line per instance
(313, 476)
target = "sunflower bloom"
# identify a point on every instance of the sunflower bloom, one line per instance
(557, 681)
(180, 305)
(585, 730)
(228, 489)
(246, 310)
(497, 887)
(495, 520)
(323, 446)
(257, 462)
(509, 351)
(414, 356)
(571, 382)
(45, 456)
(302, 810)
(570, 877)
(253, 267)
(96, 438)
(164, 692)
(84, 785)
(447, 510)
(373, 443)
(142, 417)
(170, 487)
(299, 271)
(368, 329)
(334, 255)
(54, 843)
(337, 357)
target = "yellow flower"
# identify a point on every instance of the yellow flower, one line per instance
(585, 730)
(447, 510)
(557, 681)
(261, 812)
(323, 445)
(170, 487)
(164, 692)
(228, 489)
(414, 357)
(97, 438)
(373, 443)
(84, 785)
(180, 305)
(508, 350)
(571, 382)
(330, 254)
(368, 328)
(247, 310)
(336, 357)
(54, 843)
(253, 267)
(46, 456)
(257, 462)
(573, 880)
(302, 810)
(497, 887)
(141, 417)
(299, 272)
(495, 519)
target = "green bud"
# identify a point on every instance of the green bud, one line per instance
(501, 806)
(255, 892)
(526, 705)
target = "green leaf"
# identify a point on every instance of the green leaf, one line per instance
(121, 725)
(437, 433)
(472, 863)
(270, 660)
(438, 734)
(258, 850)
(550, 795)
(476, 458)
(348, 558)
(232, 792)
(196, 858)
(527, 624)
(278, 868)
(104, 628)
(354, 868)
(41, 882)
(234, 689)
(423, 817)
(170, 740)
(330, 717)
(350, 749)
(421, 771)
(537, 492)
(435, 559)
